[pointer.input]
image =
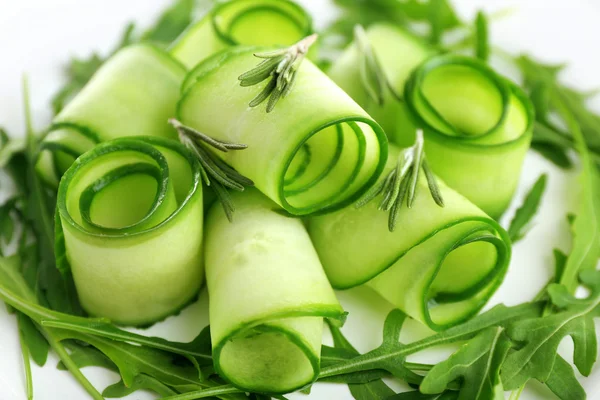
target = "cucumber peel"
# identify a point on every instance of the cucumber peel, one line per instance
(474, 121)
(268, 297)
(242, 22)
(316, 152)
(129, 229)
(439, 266)
(134, 93)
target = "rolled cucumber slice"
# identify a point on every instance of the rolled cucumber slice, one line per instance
(129, 226)
(477, 125)
(399, 53)
(440, 265)
(268, 296)
(134, 93)
(317, 151)
(242, 22)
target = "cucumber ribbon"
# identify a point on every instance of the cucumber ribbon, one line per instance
(129, 228)
(316, 152)
(268, 297)
(439, 266)
(477, 124)
(242, 22)
(134, 93)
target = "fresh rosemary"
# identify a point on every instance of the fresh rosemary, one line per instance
(372, 77)
(215, 172)
(281, 66)
(402, 182)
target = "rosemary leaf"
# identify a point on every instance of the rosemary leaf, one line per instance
(282, 66)
(418, 161)
(215, 172)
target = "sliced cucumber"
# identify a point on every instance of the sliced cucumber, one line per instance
(134, 93)
(474, 120)
(317, 151)
(268, 297)
(242, 22)
(477, 124)
(399, 53)
(129, 226)
(439, 266)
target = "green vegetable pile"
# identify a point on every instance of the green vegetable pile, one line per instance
(231, 146)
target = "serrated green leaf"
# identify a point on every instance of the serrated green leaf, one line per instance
(36, 343)
(524, 214)
(563, 383)
(87, 356)
(477, 364)
(539, 337)
(373, 389)
(141, 382)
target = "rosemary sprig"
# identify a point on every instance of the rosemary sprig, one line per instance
(215, 172)
(372, 76)
(402, 182)
(281, 66)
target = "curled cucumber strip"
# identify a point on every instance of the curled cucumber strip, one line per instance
(477, 125)
(242, 22)
(268, 297)
(398, 53)
(316, 152)
(440, 265)
(134, 93)
(129, 227)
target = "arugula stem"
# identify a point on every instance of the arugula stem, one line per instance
(515, 394)
(26, 360)
(200, 394)
(71, 366)
(418, 366)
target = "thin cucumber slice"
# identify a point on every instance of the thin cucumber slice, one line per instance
(268, 297)
(399, 53)
(348, 149)
(242, 22)
(134, 93)
(477, 124)
(129, 227)
(440, 265)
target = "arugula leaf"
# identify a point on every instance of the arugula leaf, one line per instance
(26, 357)
(477, 363)
(540, 337)
(563, 383)
(389, 356)
(372, 390)
(416, 395)
(87, 356)
(393, 353)
(36, 343)
(518, 225)
(482, 47)
(439, 14)
(170, 24)
(141, 382)
(548, 96)
(586, 227)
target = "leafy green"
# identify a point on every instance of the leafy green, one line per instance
(169, 25)
(141, 382)
(586, 227)
(539, 337)
(548, 97)
(477, 363)
(372, 390)
(438, 14)
(482, 47)
(525, 213)
(416, 395)
(87, 356)
(563, 383)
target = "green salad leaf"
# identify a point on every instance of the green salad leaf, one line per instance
(524, 214)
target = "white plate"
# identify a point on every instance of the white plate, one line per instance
(38, 36)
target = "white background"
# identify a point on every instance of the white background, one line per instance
(39, 36)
